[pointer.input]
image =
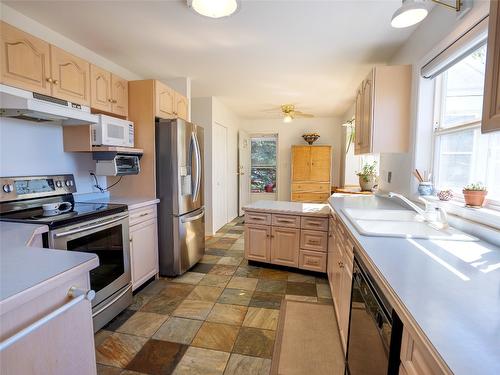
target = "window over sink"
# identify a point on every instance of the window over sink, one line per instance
(462, 155)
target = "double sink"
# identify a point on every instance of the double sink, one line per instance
(400, 223)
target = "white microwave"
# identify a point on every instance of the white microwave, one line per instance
(112, 131)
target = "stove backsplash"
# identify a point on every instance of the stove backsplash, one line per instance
(28, 148)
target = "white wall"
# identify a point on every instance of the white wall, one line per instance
(439, 29)
(290, 134)
(28, 148)
(206, 112)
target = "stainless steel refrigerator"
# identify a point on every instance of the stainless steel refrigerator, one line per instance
(179, 186)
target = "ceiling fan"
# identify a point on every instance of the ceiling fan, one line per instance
(289, 113)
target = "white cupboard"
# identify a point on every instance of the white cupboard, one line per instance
(143, 234)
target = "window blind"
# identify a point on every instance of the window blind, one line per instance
(459, 49)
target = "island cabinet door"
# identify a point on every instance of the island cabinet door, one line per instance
(258, 242)
(285, 244)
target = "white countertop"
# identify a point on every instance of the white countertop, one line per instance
(23, 266)
(298, 208)
(451, 289)
(132, 203)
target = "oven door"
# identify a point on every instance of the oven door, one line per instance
(108, 238)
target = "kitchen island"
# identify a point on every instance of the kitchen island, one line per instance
(445, 292)
(289, 234)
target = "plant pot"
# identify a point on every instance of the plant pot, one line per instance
(474, 198)
(367, 183)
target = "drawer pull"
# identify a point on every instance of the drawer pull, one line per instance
(77, 295)
(313, 262)
(284, 221)
(314, 242)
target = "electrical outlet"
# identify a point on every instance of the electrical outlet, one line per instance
(389, 177)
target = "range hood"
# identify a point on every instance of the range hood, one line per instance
(30, 106)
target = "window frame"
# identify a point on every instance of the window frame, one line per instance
(438, 131)
(276, 167)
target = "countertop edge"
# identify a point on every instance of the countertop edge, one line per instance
(404, 314)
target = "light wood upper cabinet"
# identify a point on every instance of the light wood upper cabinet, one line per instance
(382, 118)
(301, 158)
(320, 164)
(25, 60)
(109, 93)
(164, 100)
(181, 106)
(119, 95)
(285, 246)
(100, 84)
(491, 99)
(70, 76)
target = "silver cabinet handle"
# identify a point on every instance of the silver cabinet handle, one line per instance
(77, 295)
(85, 228)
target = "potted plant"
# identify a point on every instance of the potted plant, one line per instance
(474, 194)
(368, 176)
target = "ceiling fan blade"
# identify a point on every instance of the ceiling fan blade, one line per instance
(303, 115)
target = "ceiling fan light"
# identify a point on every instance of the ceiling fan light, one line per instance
(214, 8)
(287, 118)
(410, 13)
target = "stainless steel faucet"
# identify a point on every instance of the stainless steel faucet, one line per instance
(434, 215)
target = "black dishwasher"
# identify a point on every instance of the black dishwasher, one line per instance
(375, 330)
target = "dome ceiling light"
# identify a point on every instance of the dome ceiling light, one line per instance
(412, 12)
(214, 8)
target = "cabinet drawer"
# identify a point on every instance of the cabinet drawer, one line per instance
(290, 221)
(310, 197)
(140, 215)
(310, 187)
(313, 240)
(312, 260)
(314, 223)
(253, 217)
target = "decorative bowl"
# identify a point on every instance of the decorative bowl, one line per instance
(310, 137)
(445, 195)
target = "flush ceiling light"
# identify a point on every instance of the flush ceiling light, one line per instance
(214, 8)
(412, 12)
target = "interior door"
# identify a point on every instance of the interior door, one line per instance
(219, 175)
(244, 164)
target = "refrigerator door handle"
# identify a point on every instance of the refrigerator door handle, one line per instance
(196, 192)
(193, 218)
(193, 151)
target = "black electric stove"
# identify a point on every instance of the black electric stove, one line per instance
(22, 199)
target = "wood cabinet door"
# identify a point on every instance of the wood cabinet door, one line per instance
(320, 163)
(143, 251)
(358, 122)
(344, 303)
(25, 60)
(119, 96)
(258, 242)
(330, 260)
(491, 99)
(71, 76)
(100, 89)
(285, 245)
(301, 163)
(164, 100)
(181, 106)
(366, 135)
(337, 255)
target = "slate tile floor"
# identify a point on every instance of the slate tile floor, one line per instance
(219, 318)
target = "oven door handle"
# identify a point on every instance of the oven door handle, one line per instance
(86, 228)
(112, 301)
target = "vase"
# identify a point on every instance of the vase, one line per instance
(425, 188)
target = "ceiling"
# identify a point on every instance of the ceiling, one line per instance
(312, 53)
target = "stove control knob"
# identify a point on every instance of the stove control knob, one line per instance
(58, 184)
(8, 188)
(68, 183)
